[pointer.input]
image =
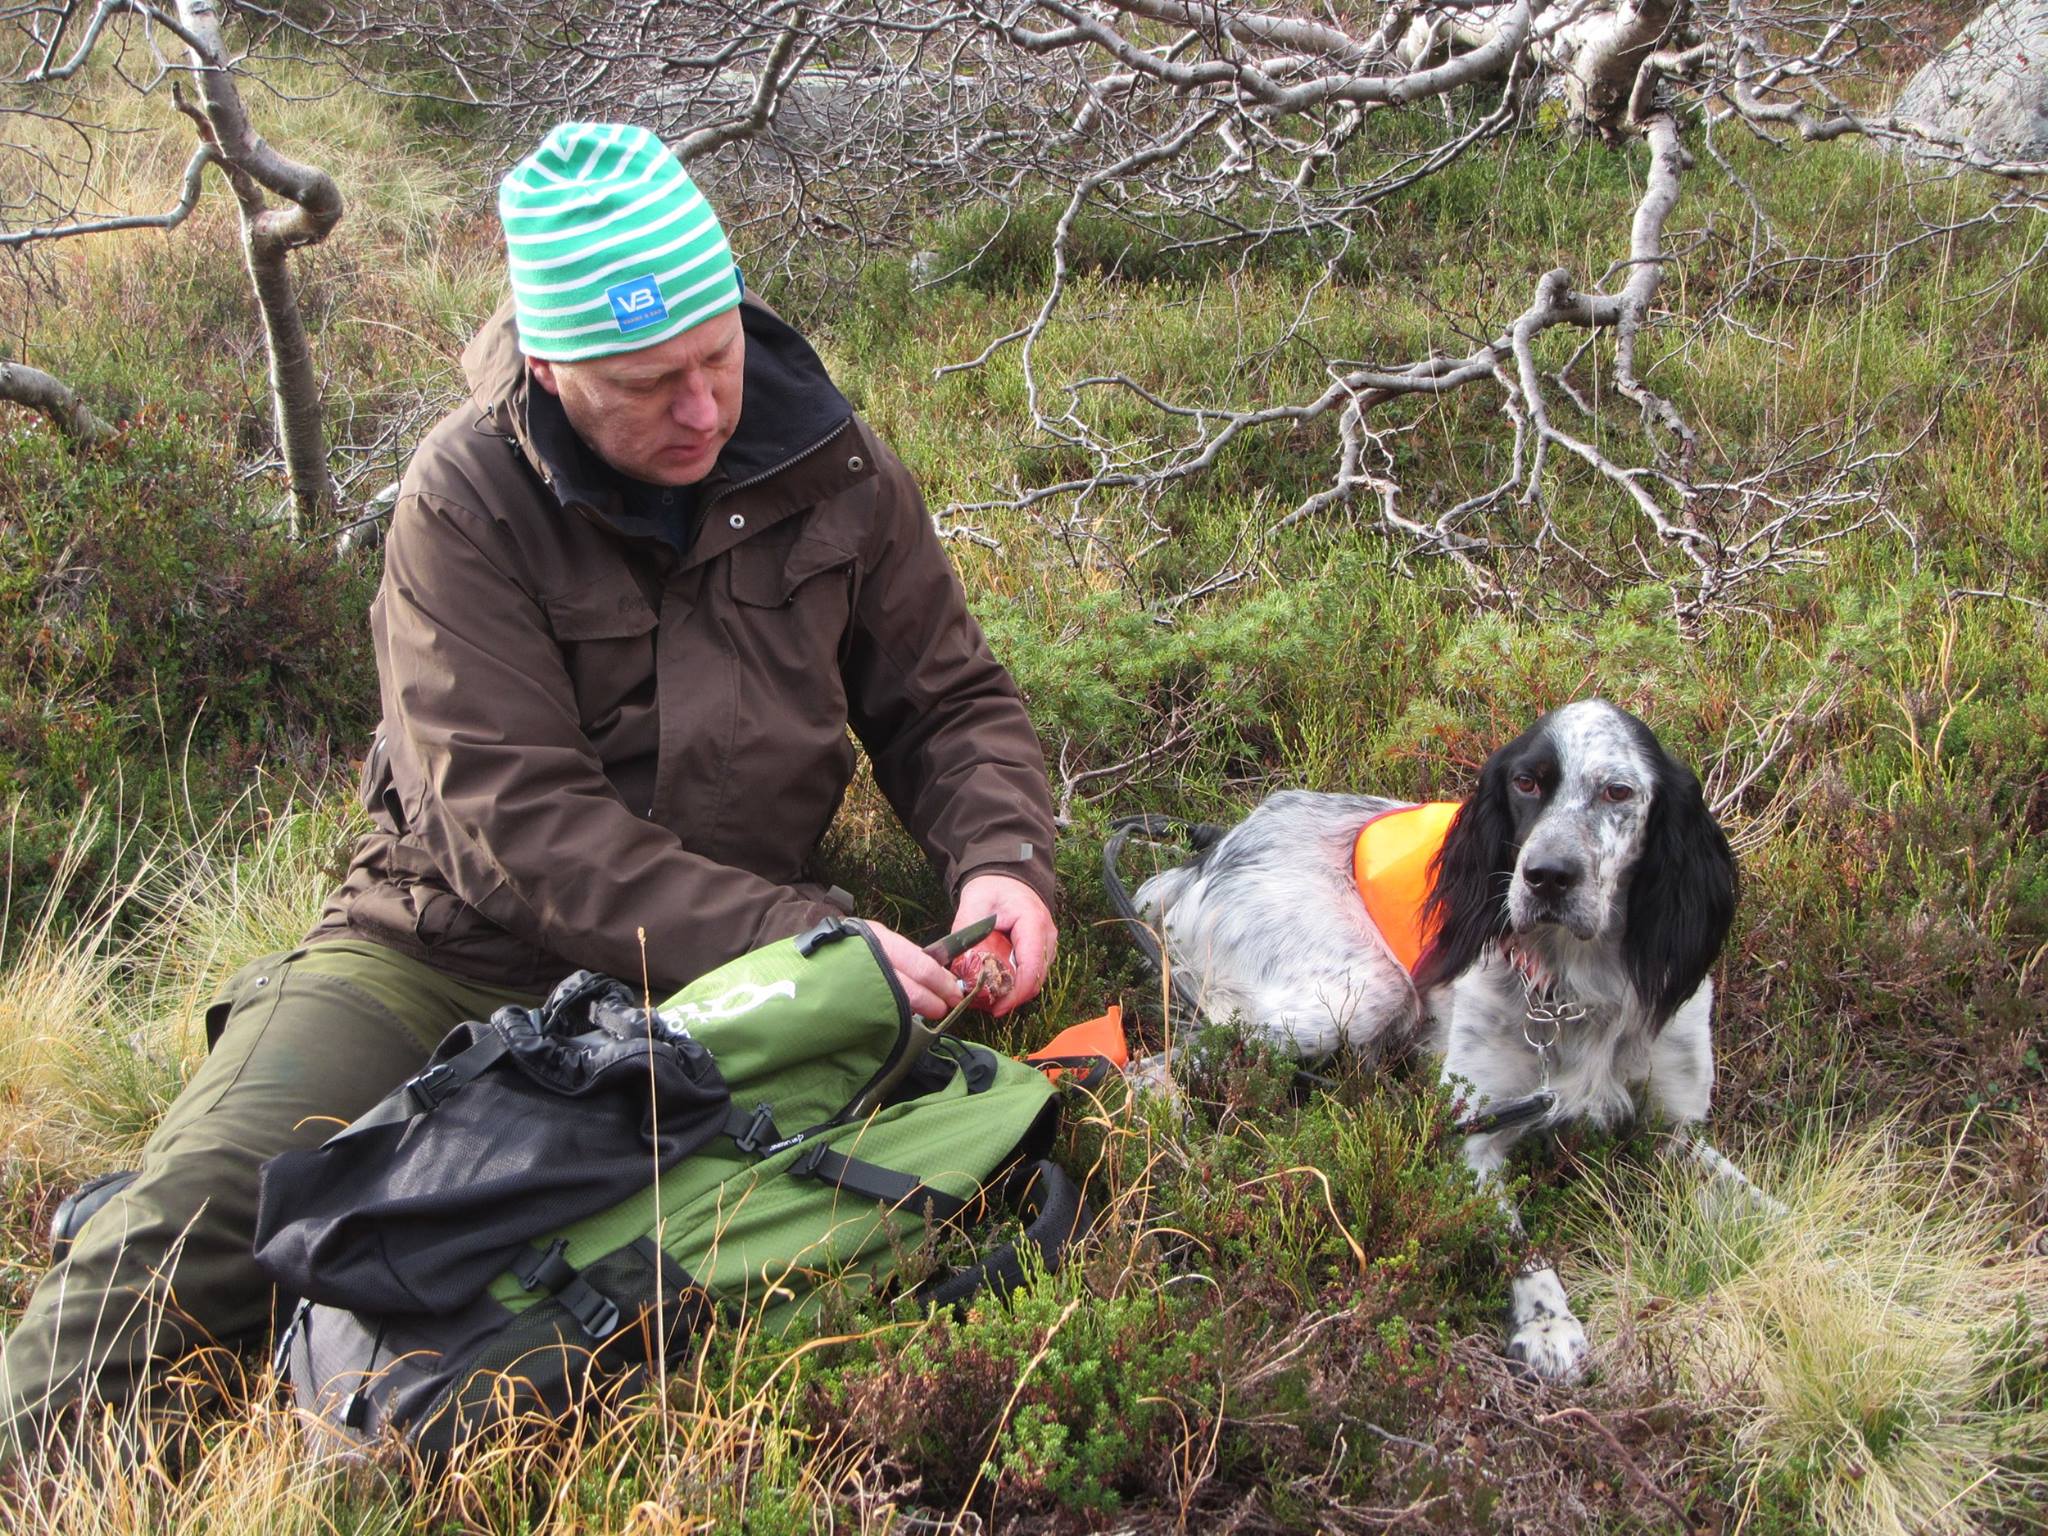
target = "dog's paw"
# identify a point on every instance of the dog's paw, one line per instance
(1554, 1349)
(1548, 1341)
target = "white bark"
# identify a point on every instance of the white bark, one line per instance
(1989, 87)
(42, 392)
(269, 235)
(170, 218)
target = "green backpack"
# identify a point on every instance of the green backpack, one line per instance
(568, 1195)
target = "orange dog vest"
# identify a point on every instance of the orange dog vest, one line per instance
(1390, 863)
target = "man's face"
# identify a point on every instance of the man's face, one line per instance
(660, 414)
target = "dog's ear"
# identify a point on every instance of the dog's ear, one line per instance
(1681, 897)
(1467, 905)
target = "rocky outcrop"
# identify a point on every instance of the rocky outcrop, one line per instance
(1989, 87)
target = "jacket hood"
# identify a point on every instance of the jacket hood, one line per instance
(788, 407)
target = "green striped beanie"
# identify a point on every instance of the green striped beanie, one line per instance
(612, 247)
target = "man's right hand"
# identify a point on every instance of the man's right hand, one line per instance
(933, 991)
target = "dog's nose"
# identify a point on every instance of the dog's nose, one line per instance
(1551, 879)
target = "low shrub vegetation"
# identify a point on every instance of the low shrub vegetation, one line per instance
(161, 647)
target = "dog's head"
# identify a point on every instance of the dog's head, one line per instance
(1585, 823)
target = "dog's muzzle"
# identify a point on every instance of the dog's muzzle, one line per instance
(1553, 889)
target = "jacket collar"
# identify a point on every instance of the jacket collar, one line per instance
(789, 410)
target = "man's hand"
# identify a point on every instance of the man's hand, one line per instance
(1023, 917)
(932, 990)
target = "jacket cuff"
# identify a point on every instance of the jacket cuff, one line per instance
(1032, 864)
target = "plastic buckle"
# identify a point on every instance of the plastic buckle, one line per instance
(815, 938)
(806, 1167)
(596, 1314)
(427, 1089)
(759, 1132)
(548, 1271)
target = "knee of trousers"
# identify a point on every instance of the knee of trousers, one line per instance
(165, 1266)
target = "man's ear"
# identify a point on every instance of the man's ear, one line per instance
(543, 373)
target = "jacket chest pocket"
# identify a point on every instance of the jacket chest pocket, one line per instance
(605, 629)
(792, 603)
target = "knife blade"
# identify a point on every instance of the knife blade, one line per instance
(961, 940)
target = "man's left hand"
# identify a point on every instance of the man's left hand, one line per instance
(1020, 914)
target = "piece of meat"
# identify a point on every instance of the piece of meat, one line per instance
(988, 971)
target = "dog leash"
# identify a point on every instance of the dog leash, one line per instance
(1198, 835)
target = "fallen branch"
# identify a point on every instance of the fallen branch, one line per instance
(43, 392)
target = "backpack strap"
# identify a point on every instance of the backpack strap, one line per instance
(753, 1130)
(426, 1090)
(547, 1270)
(1055, 1215)
(754, 1133)
(429, 1089)
(871, 1181)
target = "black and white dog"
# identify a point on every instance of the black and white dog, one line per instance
(1579, 900)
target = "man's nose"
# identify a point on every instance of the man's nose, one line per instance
(695, 407)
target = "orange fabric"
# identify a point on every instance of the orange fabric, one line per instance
(1390, 863)
(1102, 1038)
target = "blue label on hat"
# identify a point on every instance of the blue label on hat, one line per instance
(636, 304)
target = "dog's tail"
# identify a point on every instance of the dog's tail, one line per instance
(1157, 891)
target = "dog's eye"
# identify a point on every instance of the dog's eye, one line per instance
(1618, 793)
(1525, 783)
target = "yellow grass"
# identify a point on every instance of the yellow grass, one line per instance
(101, 1022)
(1865, 1343)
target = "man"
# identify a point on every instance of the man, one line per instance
(634, 594)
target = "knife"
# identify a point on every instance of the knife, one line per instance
(961, 940)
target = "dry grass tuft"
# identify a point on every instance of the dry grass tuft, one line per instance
(193, 1468)
(1876, 1346)
(705, 1448)
(100, 1020)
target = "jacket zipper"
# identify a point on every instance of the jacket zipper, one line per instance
(773, 470)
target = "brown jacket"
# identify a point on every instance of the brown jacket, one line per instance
(586, 733)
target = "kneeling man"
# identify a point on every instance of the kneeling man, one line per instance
(635, 592)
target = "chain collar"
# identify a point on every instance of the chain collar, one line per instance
(1544, 1012)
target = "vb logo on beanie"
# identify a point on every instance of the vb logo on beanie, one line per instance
(637, 304)
(611, 246)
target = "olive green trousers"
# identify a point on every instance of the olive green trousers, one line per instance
(302, 1043)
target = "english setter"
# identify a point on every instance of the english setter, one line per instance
(1579, 900)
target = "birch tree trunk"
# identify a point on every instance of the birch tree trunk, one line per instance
(313, 206)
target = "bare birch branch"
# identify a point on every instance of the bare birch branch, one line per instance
(188, 199)
(55, 399)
